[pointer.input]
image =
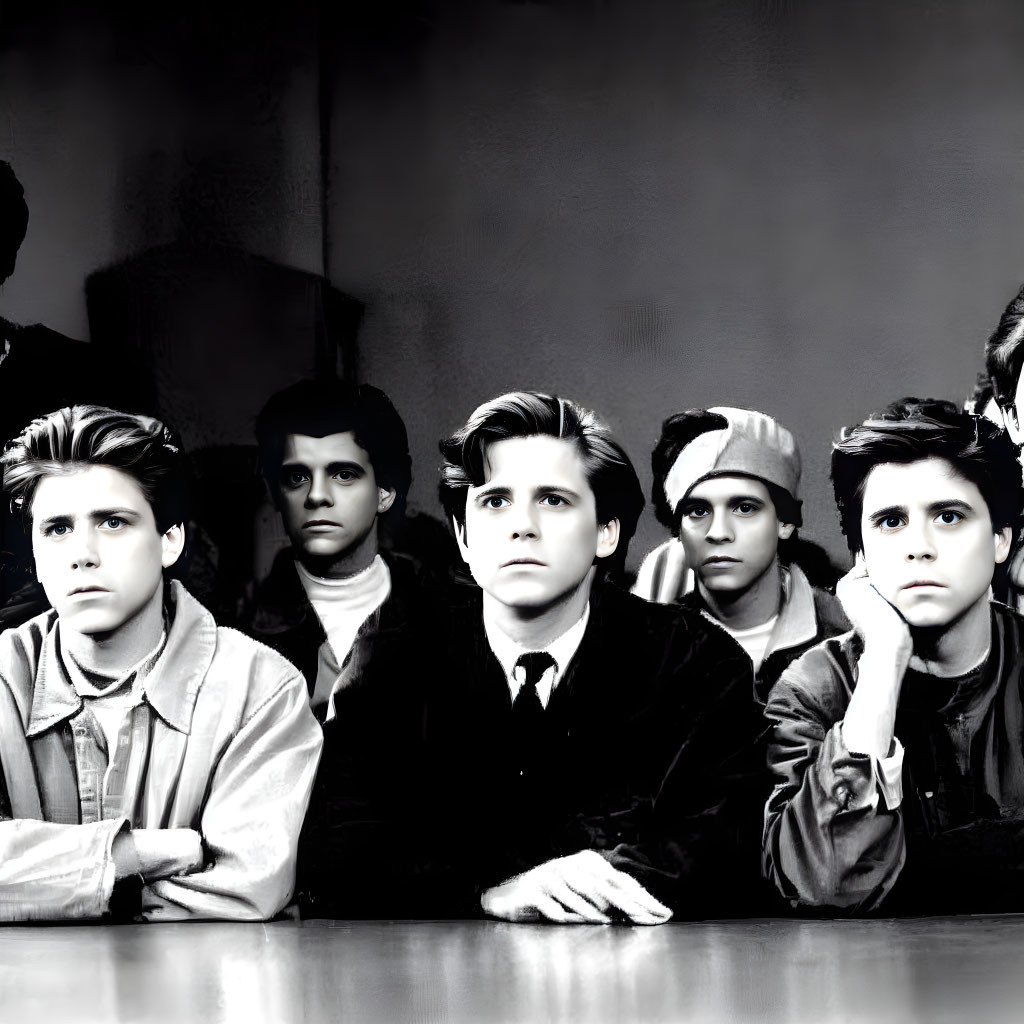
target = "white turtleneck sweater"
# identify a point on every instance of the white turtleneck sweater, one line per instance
(342, 606)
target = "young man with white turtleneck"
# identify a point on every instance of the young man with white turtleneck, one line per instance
(336, 458)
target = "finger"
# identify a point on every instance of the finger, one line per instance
(628, 904)
(628, 887)
(581, 904)
(603, 885)
(551, 910)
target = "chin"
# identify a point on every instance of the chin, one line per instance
(928, 618)
(322, 549)
(88, 625)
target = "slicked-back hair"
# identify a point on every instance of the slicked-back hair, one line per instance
(1004, 352)
(318, 408)
(609, 471)
(913, 429)
(676, 433)
(80, 436)
(13, 219)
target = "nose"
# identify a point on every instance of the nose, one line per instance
(525, 524)
(84, 553)
(720, 529)
(920, 545)
(319, 494)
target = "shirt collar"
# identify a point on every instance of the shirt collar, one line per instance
(562, 649)
(797, 622)
(172, 681)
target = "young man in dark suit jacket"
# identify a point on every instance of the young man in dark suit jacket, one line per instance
(575, 754)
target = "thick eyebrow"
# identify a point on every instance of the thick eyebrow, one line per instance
(954, 504)
(889, 510)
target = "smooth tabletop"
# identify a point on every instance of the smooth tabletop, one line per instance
(939, 969)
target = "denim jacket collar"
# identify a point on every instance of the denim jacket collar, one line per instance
(171, 686)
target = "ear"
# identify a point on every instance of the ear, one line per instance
(1002, 539)
(386, 498)
(607, 538)
(786, 530)
(172, 543)
(460, 538)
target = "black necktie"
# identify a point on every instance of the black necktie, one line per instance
(526, 709)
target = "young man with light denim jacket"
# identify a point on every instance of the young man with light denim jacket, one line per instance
(154, 766)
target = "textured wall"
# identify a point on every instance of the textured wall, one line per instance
(810, 209)
(128, 132)
(647, 205)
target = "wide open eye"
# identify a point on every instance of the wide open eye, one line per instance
(294, 478)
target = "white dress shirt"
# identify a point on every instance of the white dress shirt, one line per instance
(561, 649)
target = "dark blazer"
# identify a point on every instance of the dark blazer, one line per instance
(375, 738)
(651, 753)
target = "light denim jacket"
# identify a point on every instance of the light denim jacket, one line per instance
(230, 749)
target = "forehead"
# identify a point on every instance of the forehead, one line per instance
(722, 488)
(918, 483)
(322, 451)
(88, 489)
(538, 460)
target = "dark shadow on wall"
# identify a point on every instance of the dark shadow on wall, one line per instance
(219, 330)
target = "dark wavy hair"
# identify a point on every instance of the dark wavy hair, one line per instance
(1004, 353)
(610, 473)
(676, 433)
(13, 219)
(93, 435)
(326, 406)
(913, 429)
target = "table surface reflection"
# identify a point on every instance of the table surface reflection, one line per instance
(939, 969)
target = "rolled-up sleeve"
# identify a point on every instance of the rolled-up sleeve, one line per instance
(833, 832)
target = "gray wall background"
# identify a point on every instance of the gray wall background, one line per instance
(809, 209)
